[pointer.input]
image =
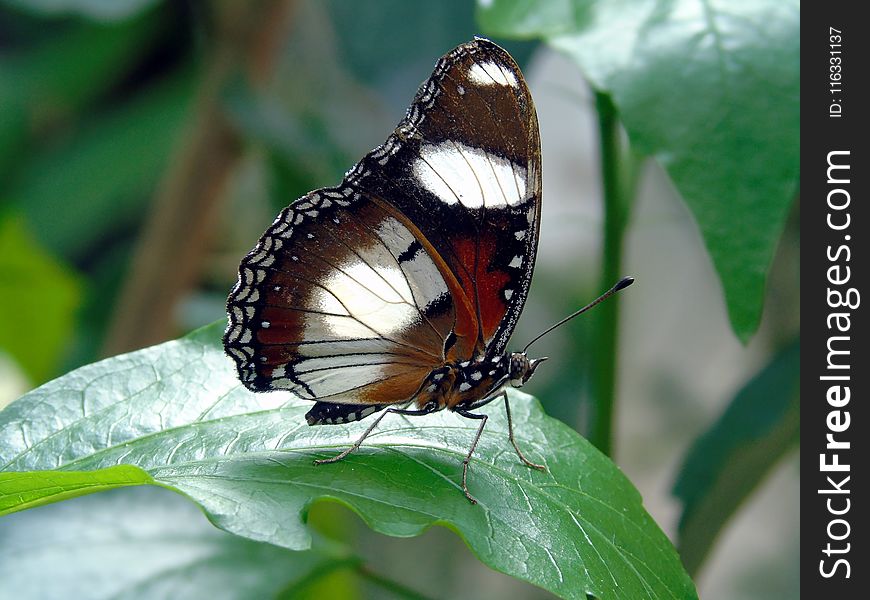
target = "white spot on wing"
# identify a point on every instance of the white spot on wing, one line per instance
(336, 381)
(426, 282)
(376, 298)
(489, 73)
(455, 173)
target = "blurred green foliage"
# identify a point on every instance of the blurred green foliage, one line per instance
(760, 425)
(39, 298)
(714, 102)
(91, 113)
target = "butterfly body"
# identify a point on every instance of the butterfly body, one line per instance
(399, 288)
(457, 386)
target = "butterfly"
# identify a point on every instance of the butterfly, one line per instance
(397, 291)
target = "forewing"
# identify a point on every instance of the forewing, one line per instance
(464, 166)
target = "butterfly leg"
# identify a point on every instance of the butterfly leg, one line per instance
(399, 411)
(507, 408)
(482, 418)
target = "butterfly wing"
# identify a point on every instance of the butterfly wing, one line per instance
(340, 300)
(423, 255)
(464, 165)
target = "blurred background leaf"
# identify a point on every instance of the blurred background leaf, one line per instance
(728, 462)
(98, 10)
(99, 181)
(38, 299)
(716, 103)
(56, 75)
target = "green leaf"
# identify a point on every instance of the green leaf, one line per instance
(730, 460)
(19, 491)
(711, 90)
(178, 412)
(144, 543)
(38, 299)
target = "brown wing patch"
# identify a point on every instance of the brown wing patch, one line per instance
(395, 386)
(333, 299)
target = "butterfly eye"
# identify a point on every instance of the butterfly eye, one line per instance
(533, 364)
(519, 366)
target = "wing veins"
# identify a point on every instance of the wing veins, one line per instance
(413, 305)
(350, 315)
(388, 362)
(416, 304)
(362, 285)
(473, 172)
(379, 381)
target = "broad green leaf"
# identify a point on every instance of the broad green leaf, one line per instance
(728, 462)
(98, 10)
(144, 543)
(178, 412)
(38, 299)
(711, 90)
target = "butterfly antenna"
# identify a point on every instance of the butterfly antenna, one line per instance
(620, 285)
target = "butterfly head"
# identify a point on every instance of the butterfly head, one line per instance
(521, 368)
